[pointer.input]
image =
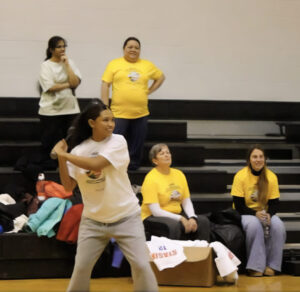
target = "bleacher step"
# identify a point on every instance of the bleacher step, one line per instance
(17, 129)
(282, 188)
(239, 138)
(206, 181)
(290, 216)
(241, 162)
(292, 246)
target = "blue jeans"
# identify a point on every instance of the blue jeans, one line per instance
(135, 132)
(261, 252)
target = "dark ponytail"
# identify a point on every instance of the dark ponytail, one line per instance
(80, 129)
(52, 44)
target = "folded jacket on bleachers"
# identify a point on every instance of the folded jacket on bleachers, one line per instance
(10, 208)
(69, 226)
(27, 205)
(52, 189)
(19, 222)
(48, 215)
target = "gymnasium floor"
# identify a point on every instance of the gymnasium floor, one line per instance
(282, 283)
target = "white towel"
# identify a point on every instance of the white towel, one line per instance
(188, 243)
(165, 253)
(6, 199)
(19, 222)
(226, 262)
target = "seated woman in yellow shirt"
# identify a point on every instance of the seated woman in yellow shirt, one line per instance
(256, 195)
(167, 209)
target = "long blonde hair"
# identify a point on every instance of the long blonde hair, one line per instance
(263, 183)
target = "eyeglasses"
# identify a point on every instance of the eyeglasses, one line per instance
(61, 47)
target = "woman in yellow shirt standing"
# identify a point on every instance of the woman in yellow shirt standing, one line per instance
(167, 209)
(129, 77)
(255, 194)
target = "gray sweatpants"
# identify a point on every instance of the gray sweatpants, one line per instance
(261, 252)
(93, 238)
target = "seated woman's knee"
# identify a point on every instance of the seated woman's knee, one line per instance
(163, 226)
(203, 221)
(277, 226)
(251, 223)
(203, 228)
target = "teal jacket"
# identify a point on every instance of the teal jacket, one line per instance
(48, 215)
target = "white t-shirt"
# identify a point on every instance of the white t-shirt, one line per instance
(61, 102)
(107, 195)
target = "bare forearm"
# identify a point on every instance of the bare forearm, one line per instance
(105, 92)
(156, 84)
(68, 182)
(73, 80)
(59, 87)
(88, 163)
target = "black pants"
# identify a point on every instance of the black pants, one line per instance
(53, 129)
(135, 132)
(172, 229)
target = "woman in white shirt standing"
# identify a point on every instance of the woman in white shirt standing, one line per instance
(59, 77)
(98, 163)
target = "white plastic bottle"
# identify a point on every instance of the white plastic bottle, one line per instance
(266, 227)
(40, 187)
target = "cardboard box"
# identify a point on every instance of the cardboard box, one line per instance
(199, 269)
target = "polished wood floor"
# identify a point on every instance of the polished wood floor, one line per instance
(282, 283)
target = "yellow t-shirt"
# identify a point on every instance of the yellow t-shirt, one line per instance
(245, 185)
(169, 190)
(130, 86)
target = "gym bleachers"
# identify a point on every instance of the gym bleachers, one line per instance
(209, 161)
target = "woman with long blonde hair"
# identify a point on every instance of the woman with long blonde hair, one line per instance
(256, 195)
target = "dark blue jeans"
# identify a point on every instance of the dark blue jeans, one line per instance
(135, 132)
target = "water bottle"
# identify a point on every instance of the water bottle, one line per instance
(266, 227)
(40, 187)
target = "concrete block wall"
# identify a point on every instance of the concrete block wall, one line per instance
(208, 49)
